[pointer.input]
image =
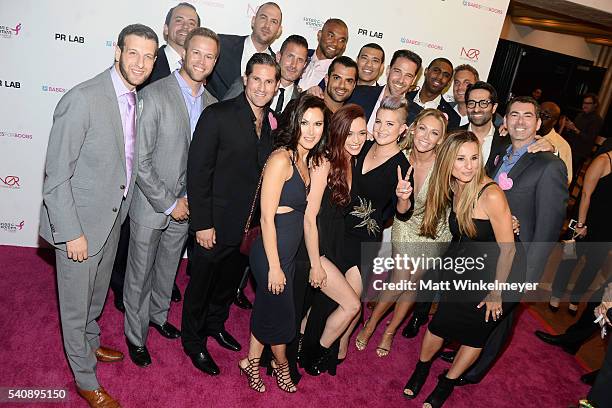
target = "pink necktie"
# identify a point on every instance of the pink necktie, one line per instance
(130, 137)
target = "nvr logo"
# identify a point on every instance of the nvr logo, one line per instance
(69, 38)
(370, 33)
(10, 84)
(471, 54)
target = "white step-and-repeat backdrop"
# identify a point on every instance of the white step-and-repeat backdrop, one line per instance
(48, 46)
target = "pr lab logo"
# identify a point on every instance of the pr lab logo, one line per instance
(9, 31)
(370, 33)
(71, 38)
(10, 84)
(10, 182)
(7, 226)
(469, 54)
(56, 89)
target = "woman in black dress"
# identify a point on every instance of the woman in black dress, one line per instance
(335, 306)
(283, 201)
(480, 214)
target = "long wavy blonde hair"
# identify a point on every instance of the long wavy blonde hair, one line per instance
(407, 142)
(443, 185)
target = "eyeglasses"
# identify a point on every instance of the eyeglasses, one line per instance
(483, 103)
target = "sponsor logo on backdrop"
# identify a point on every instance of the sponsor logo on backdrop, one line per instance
(422, 44)
(10, 84)
(111, 43)
(72, 38)
(15, 135)
(370, 33)
(56, 89)
(10, 182)
(213, 4)
(7, 226)
(483, 7)
(10, 31)
(251, 10)
(313, 23)
(469, 54)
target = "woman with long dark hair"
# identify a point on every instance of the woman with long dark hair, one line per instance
(284, 189)
(335, 306)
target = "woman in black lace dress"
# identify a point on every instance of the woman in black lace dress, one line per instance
(479, 214)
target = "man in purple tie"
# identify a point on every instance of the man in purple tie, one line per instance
(90, 172)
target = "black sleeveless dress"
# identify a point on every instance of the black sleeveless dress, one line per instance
(457, 317)
(273, 318)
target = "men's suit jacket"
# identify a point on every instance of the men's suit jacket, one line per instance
(164, 135)
(161, 68)
(85, 172)
(366, 96)
(538, 198)
(498, 149)
(413, 110)
(225, 161)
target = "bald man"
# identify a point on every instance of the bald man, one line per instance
(550, 113)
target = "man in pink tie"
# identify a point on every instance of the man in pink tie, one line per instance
(89, 177)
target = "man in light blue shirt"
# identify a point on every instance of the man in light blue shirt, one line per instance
(160, 211)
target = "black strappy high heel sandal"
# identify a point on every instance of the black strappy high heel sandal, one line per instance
(417, 379)
(252, 373)
(442, 391)
(283, 378)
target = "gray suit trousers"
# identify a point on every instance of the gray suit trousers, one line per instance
(82, 289)
(153, 257)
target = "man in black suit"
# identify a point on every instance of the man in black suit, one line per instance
(371, 64)
(437, 76)
(180, 21)
(237, 49)
(536, 189)
(401, 74)
(220, 196)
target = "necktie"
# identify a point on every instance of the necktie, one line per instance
(281, 100)
(129, 130)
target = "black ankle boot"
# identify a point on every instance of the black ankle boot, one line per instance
(320, 361)
(417, 379)
(442, 391)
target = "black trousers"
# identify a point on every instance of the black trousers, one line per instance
(600, 392)
(215, 276)
(120, 264)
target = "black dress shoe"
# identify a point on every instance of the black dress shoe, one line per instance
(204, 362)
(557, 340)
(176, 294)
(119, 303)
(448, 356)
(412, 328)
(167, 330)
(242, 301)
(226, 340)
(589, 378)
(139, 355)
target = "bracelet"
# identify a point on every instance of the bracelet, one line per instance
(580, 225)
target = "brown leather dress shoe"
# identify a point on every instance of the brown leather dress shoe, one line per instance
(98, 398)
(107, 355)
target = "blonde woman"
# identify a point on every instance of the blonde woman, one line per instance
(479, 214)
(425, 134)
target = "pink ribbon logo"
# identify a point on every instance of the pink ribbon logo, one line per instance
(505, 182)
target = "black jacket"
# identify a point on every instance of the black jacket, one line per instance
(413, 110)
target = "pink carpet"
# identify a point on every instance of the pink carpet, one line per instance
(530, 373)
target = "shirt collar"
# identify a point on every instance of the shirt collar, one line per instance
(118, 84)
(417, 99)
(518, 153)
(172, 55)
(489, 135)
(185, 87)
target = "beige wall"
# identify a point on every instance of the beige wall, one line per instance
(561, 43)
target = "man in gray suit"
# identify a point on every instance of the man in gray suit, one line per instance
(89, 180)
(159, 211)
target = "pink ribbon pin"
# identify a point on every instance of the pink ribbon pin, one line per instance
(505, 182)
(272, 119)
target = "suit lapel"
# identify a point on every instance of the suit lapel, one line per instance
(176, 95)
(521, 165)
(114, 114)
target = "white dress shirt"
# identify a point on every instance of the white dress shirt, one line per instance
(247, 52)
(487, 142)
(174, 59)
(314, 72)
(464, 119)
(286, 97)
(376, 106)
(433, 104)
